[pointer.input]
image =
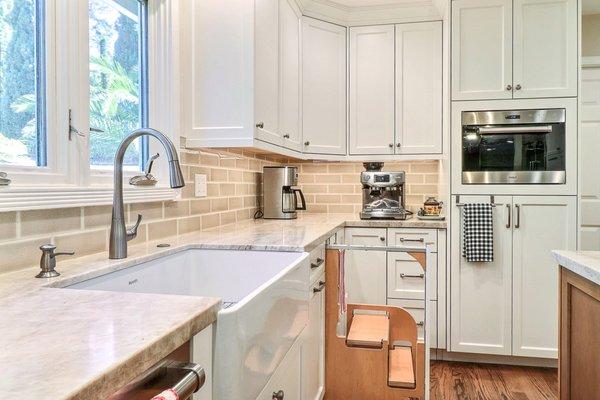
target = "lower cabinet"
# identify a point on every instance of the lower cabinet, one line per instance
(366, 270)
(507, 306)
(202, 354)
(286, 381)
(313, 345)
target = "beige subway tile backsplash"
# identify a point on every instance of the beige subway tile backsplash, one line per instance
(8, 225)
(36, 222)
(82, 243)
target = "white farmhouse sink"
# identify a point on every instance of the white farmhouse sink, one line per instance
(265, 306)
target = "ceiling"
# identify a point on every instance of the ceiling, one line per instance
(370, 3)
(589, 6)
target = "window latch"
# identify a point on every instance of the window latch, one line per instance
(4, 180)
(72, 129)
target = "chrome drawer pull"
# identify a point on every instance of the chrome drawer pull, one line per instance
(320, 288)
(403, 275)
(319, 262)
(420, 240)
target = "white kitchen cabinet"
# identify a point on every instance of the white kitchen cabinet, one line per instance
(371, 96)
(541, 224)
(323, 87)
(481, 49)
(289, 50)
(313, 347)
(366, 270)
(504, 49)
(266, 71)
(287, 378)
(481, 293)
(202, 354)
(545, 48)
(418, 88)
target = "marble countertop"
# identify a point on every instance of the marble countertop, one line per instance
(584, 263)
(80, 344)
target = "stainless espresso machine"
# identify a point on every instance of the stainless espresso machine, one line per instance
(382, 193)
(280, 198)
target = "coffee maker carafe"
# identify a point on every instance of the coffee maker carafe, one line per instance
(280, 197)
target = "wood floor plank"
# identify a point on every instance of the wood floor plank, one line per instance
(469, 381)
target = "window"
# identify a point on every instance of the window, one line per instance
(22, 83)
(118, 79)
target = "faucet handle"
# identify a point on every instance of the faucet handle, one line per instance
(132, 232)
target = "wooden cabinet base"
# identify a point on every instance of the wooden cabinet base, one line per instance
(579, 354)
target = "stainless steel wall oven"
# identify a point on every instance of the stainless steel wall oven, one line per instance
(513, 147)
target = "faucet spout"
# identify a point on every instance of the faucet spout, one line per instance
(119, 235)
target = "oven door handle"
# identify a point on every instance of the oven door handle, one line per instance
(514, 130)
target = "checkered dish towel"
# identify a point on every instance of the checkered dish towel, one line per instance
(478, 232)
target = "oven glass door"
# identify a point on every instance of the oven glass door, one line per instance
(513, 154)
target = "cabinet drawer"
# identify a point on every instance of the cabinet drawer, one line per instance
(413, 237)
(317, 262)
(417, 310)
(366, 236)
(406, 278)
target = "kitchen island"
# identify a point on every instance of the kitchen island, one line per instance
(579, 355)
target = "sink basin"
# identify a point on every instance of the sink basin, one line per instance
(265, 306)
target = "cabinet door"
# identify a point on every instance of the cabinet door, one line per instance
(314, 345)
(481, 49)
(372, 89)
(266, 70)
(289, 51)
(481, 293)
(545, 48)
(366, 270)
(419, 88)
(323, 87)
(287, 377)
(541, 224)
(406, 277)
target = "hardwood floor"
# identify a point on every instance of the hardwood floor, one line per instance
(466, 381)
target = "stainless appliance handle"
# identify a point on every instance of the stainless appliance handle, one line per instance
(303, 206)
(514, 130)
(518, 218)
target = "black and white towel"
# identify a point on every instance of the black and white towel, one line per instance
(478, 232)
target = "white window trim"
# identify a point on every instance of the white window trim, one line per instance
(63, 183)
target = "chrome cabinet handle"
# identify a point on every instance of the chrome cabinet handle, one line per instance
(420, 240)
(508, 210)
(260, 125)
(518, 217)
(320, 288)
(509, 87)
(403, 275)
(518, 87)
(317, 264)
(278, 395)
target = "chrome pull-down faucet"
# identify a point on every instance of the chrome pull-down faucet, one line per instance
(119, 234)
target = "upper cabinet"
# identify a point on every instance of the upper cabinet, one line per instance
(396, 89)
(372, 89)
(323, 87)
(503, 49)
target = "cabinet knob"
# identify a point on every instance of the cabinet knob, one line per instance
(382, 238)
(286, 136)
(391, 145)
(518, 87)
(509, 87)
(398, 145)
(278, 395)
(260, 125)
(307, 143)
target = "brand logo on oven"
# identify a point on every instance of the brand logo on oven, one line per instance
(133, 282)
(513, 116)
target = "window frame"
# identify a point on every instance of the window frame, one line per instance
(68, 179)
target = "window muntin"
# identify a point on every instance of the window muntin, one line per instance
(118, 79)
(22, 83)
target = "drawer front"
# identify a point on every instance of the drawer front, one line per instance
(413, 237)
(317, 262)
(417, 311)
(366, 236)
(406, 278)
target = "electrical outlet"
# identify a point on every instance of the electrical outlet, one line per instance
(200, 185)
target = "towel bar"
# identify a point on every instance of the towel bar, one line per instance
(399, 249)
(459, 204)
